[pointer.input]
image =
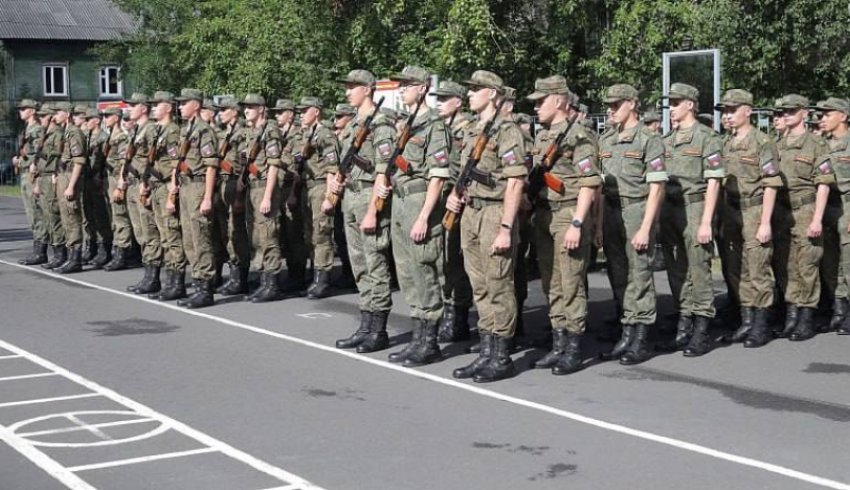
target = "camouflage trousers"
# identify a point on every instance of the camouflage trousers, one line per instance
(796, 257)
(230, 228)
(122, 229)
(49, 204)
(318, 226)
(197, 230)
(491, 276)
(830, 266)
(453, 279)
(369, 252)
(71, 211)
(562, 272)
(263, 228)
(96, 211)
(292, 240)
(170, 232)
(144, 226)
(417, 264)
(843, 286)
(628, 270)
(688, 262)
(33, 210)
(747, 261)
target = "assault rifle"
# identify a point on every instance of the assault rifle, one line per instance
(541, 175)
(397, 160)
(120, 194)
(349, 159)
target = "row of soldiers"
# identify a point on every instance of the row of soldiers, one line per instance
(257, 192)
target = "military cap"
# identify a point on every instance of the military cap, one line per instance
(227, 102)
(651, 116)
(282, 105)
(137, 98)
(187, 94)
(683, 91)
(510, 93)
(448, 88)
(310, 101)
(621, 91)
(776, 104)
(46, 109)
(412, 74)
(253, 99)
(27, 104)
(522, 118)
(63, 107)
(583, 108)
(92, 113)
(735, 97)
(834, 104)
(706, 118)
(554, 85)
(208, 105)
(486, 79)
(345, 110)
(79, 110)
(111, 111)
(161, 96)
(359, 77)
(792, 101)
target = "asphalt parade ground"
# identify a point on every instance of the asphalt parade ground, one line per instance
(104, 389)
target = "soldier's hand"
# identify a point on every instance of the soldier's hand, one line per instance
(597, 239)
(419, 230)
(292, 201)
(171, 204)
(36, 190)
(640, 241)
(33, 169)
(15, 160)
(383, 191)
(206, 207)
(815, 229)
(266, 206)
(369, 223)
(335, 186)
(53, 180)
(704, 234)
(327, 207)
(572, 238)
(69, 193)
(764, 234)
(502, 243)
(454, 203)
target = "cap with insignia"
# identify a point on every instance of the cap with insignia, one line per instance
(162, 96)
(448, 88)
(344, 110)
(253, 100)
(27, 104)
(792, 101)
(834, 104)
(486, 79)
(680, 91)
(79, 110)
(413, 75)
(651, 117)
(63, 107)
(735, 97)
(92, 113)
(554, 85)
(619, 92)
(227, 102)
(137, 98)
(187, 94)
(46, 109)
(310, 101)
(359, 77)
(111, 111)
(208, 105)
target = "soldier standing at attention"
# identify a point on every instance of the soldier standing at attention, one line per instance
(752, 183)
(122, 229)
(343, 115)
(417, 211)
(561, 228)
(631, 157)
(45, 187)
(26, 167)
(457, 292)
(261, 150)
(95, 206)
(69, 188)
(834, 121)
(805, 163)
(694, 161)
(195, 181)
(316, 169)
(489, 231)
(366, 231)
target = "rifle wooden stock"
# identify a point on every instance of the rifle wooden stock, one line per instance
(449, 220)
(553, 182)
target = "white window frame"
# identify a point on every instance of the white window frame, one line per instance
(66, 79)
(103, 79)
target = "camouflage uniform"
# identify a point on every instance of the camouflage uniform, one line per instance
(32, 136)
(95, 210)
(122, 228)
(48, 166)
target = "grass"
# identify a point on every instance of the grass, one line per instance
(10, 190)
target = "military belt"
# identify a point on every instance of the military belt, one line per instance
(311, 183)
(623, 201)
(410, 188)
(686, 199)
(796, 202)
(742, 204)
(556, 205)
(359, 185)
(259, 182)
(481, 203)
(192, 178)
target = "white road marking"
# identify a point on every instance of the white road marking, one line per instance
(72, 481)
(47, 400)
(94, 430)
(78, 428)
(10, 356)
(27, 376)
(314, 316)
(621, 429)
(142, 459)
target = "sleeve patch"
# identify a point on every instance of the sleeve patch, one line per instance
(509, 158)
(76, 150)
(441, 157)
(384, 149)
(207, 150)
(825, 168)
(657, 165)
(331, 157)
(714, 160)
(272, 151)
(769, 168)
(585, 166)
(172, 151)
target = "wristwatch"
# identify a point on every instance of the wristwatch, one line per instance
(576, 222)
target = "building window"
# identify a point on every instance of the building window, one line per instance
(55, 80)
(110, 82)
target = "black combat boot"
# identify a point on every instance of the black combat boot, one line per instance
(104, 255)
(427, 350)
(90, 251)
(268, 290)
(760, 333)
(805, 326)
(476, 347)
(38, 255)
(570, 362)
(168, 283)
(684, 331)
(153, 285)
(480, 362)
(359, 335)
(519, 331)
(559, 346)
(217, 279)
(415, 339)
(321, 286)
(501, 366)
(844, 329)
(748, 315)
(176, 286)
(74, 262)
(237, 282)
(791, 318)
(295, 283)
(455, 324)
(700, 343)
(144, 280)
(377, 339)
(202, 297)
(639, 350)
(60, 255)
(839, 312)
(119, 260)
(622, 345)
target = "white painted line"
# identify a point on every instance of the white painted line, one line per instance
(48, 400)
(78, 428)
(146, 411)
(621, 429)
(141, 459)
(27, 376)
(314, 316)
(94, 430)
(287, 487)
(10, 356)
(43, 461)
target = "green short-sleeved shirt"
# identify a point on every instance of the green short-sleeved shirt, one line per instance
(325, 151)
(503, 157)
(167, 144)
(752, 163)
(427, 151)
(74, 151)
(271, 146)
(630, 160)
(32, 137)
(377, 149)
(805, 163)
(234, 135)
(576, 164)
(839, 153)
(118, 142)
(692, 156)
(142, 139)
(52, 150)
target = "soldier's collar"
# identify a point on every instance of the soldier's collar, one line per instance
(797, 141)
(627, 135)
(686, 135)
